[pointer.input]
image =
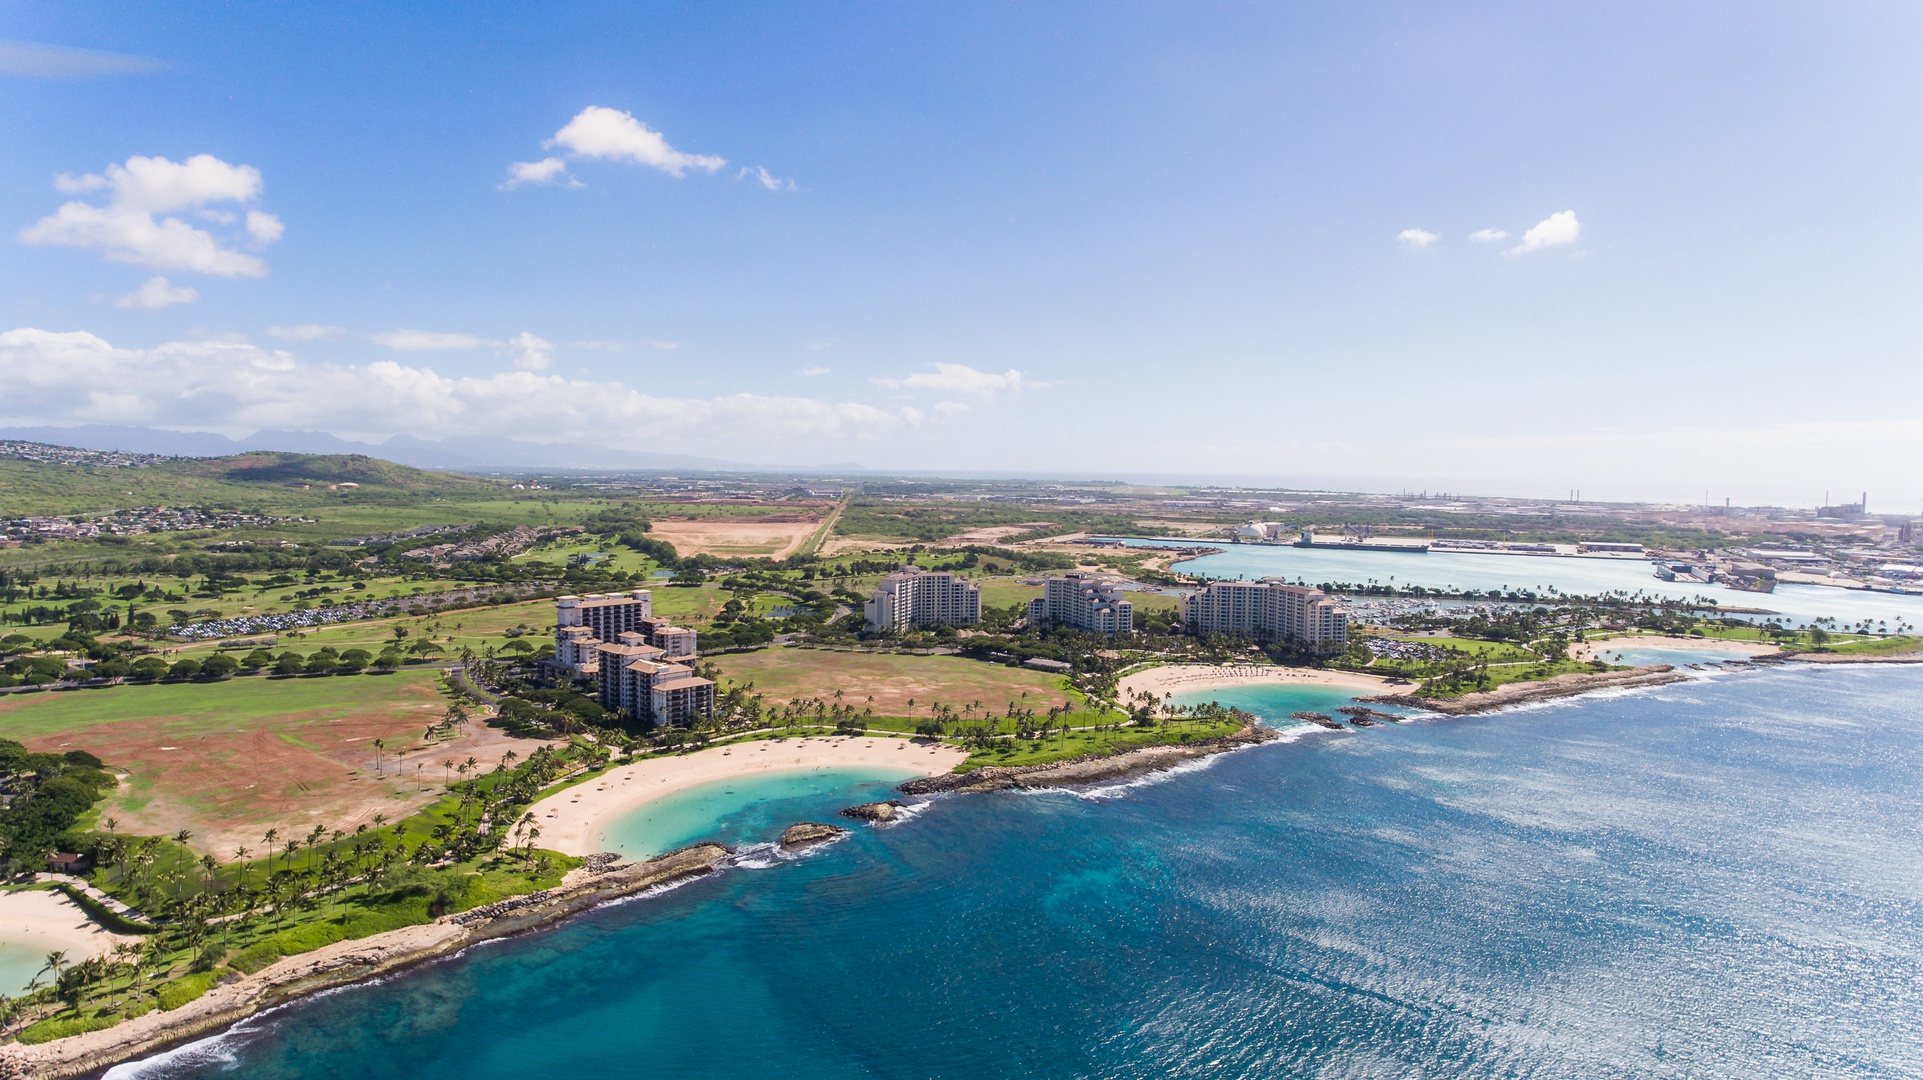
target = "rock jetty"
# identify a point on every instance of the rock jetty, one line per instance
(809, 833)
(880, 813)
(1093, 769)
(1517, 693)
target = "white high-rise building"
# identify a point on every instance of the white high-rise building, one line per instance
(913, 597)
(1269, 608)
(1085, 602)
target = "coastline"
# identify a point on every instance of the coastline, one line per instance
(1588, 650)
(346, 962)
(1519, 693)
(46, 920)
(1178, 678)
(585, 808)
(1086, 770)
(574, 820)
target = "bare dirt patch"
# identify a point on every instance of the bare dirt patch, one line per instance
(231, 760)
(760, 537)
(994, 534)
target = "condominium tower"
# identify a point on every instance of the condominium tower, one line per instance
(1271, 609)
(1085, 602)
(913, 597)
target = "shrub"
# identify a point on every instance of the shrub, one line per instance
(184, 669)
(59, 1027)
(219, 666)
(180, 991)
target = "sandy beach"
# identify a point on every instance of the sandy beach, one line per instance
(573, 821)
(1589, 650)
(35, 922)
(1181, 678)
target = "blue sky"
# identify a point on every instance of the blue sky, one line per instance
(1135, 239)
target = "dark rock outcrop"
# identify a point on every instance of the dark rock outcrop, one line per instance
(808, 833)
(881, 813)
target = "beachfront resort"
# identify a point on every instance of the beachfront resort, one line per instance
(639, 664)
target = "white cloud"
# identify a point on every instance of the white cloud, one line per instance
(306, 332)
(665, 346)
(235, 387)
(33, 60)
(126, 229)
(1560, 227)
(767, 179)
(157, 294)
(599, 346)
(544, 171)
(1418, 238)
(1488, 236)
(604, 133)
(955, 378)
(949, 409)
(263, 227)
(530, 353)
(427, 340)
(812, 371)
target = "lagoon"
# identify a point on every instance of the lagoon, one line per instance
(1589, 576)
(746, 810)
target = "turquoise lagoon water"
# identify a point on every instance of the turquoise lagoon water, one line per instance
(1586, 576)
(749, 810)
(19, 962)
(1714, 879)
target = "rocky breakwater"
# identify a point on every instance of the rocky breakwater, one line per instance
(1519, 692)
(809, 833)
(876, 813)
(347, 962)
(1093, 769)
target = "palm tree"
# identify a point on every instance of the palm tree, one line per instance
(56, 960)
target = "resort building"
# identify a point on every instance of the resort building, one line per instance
(633, 657)
(1085, 602)
(608, 615)
(912, 597)
(1271, 609)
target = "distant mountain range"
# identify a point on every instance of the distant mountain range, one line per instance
(460, 453)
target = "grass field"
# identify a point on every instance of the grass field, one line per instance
(229, 760)
(891, 680)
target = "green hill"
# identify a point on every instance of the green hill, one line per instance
(270, 482)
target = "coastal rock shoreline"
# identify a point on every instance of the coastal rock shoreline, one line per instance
(343, 963)
(1091, 769)
(1544, 690)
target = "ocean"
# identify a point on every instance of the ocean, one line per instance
(1718, 878)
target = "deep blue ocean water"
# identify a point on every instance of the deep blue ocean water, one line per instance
(1722, 878)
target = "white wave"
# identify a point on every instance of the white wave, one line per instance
(649, 892)
(219, 1049)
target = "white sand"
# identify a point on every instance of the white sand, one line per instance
(574, 820)
(1589, 650)
(1179, 678)
(36, 922)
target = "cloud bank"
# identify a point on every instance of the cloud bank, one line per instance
(134, 225)
(65, 378)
